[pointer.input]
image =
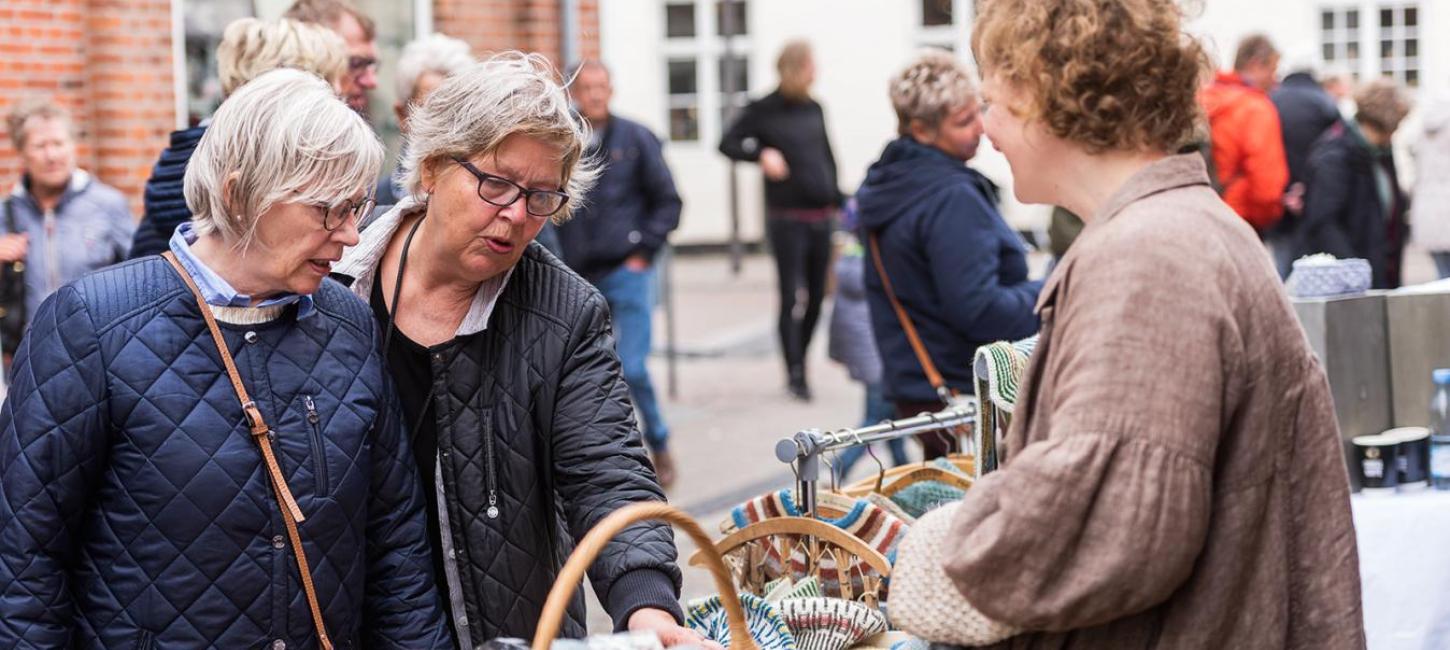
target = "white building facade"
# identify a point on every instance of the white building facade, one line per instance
(671, 60)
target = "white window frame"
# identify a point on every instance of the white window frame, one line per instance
(1371, 63)
(707, 48)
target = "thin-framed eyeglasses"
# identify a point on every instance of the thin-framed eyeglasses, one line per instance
(356, 65)
(334, 216)
(502, 192)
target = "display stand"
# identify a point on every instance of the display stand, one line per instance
(803, 450)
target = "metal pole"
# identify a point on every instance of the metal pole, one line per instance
(568, 33)
(667, 298)
(728, 90)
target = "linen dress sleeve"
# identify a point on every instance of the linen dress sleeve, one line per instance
(1106, 516)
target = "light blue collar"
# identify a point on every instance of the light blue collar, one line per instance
(219, 292)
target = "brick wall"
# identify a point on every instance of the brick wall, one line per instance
(109, 62)
(533, 25)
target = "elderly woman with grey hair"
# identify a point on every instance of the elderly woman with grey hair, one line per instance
(505, 362)
(425, 63)
(203, 449)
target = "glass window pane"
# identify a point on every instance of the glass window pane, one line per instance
(1412, 47)
(684, 124)
(1328, 52)
(1387, 49)
(734, 74)
(680, 20)
(1351, 19)
(1412, 77)
(1353, 51)
(730, 18)
(1326, 20)
(1412, 17)
(936, 12)
(682, 77)
(1387, 19)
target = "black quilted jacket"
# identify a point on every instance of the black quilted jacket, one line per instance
(535, 410)
(134, 507)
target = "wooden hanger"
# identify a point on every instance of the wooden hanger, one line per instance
(867, 485)
(922, 474)
(801, 527)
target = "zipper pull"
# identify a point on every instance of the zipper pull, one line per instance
(311, 409)
(492, 511)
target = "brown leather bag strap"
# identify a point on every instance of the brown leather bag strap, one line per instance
(946, 393)
(291, 513)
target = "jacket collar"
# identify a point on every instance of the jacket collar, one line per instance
(1170, 173)
(79, 181)
(360, 263)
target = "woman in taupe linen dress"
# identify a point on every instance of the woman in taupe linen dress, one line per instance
(1174, 475)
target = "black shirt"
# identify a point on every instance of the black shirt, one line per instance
(798, 130)
(412, 373)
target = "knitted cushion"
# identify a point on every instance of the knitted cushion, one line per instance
(830, 623)
(766, 625)
(924, 600)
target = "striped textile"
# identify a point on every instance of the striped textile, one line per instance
(866, 521)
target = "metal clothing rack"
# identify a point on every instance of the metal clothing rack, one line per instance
(804, 449)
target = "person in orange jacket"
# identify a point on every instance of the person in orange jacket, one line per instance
(1246, 138)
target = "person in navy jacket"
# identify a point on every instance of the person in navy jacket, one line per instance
(959, 271)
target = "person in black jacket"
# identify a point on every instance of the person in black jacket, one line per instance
(615, 234)
(958, 270)
(249, 48)
(785, 132)
(1353, 204)
(1306, 111)
(505, 362)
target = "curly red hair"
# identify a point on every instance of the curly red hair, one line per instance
(1105, 74)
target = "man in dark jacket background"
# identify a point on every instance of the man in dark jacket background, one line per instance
(1306, 111)
(615, 235)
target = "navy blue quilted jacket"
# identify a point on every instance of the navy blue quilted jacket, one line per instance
(134, 508)
(164, 201)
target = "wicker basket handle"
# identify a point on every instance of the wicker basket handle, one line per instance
(590, 547)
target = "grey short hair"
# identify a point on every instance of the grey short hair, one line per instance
(284, 137)
(32, 108)
(250, 47)
(473, 111)
(929, 89)
(436, 53)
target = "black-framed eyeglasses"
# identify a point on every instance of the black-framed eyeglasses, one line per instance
(334, 216)
(502, 192)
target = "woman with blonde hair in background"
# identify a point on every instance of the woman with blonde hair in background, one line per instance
(1173, 475)
(785, 132)
(249, 47)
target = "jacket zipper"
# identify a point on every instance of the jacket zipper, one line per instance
(492, 476)
(319, 459)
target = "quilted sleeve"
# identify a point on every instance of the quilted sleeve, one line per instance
(53, 430)
(600, 463)
(402, 608)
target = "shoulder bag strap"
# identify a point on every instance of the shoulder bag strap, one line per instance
(291, 513)
(932, 376)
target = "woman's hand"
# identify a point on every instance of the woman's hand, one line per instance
(671, 633)
(772, 163)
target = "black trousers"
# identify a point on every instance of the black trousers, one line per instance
(802, 251)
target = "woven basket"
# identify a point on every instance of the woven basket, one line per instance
(589, 548)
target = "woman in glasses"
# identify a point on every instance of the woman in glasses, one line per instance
(505, 363)
(153, 495)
